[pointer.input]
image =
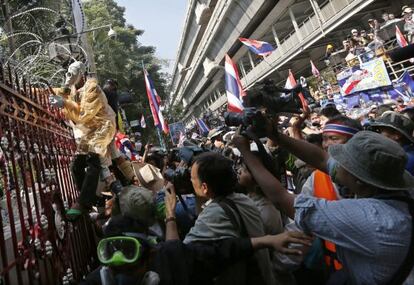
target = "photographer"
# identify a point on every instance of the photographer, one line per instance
(226, 215)
(129, 252)
(371, 233)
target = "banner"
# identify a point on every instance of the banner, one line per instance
(403, 87)
(134, 123)
(177, 131)
(369, 75)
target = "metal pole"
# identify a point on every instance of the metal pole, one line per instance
(160, 139)
(8, 26)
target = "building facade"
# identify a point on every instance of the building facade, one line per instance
(299, 29)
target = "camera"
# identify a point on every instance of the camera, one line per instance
(249, 117)
(276, 99)
(181, 179)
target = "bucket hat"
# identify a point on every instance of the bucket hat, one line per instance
(398, 122)
(137, 203)
(375, 160)
(214, 133)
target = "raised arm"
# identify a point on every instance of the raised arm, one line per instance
(309, 153)
(269, 184)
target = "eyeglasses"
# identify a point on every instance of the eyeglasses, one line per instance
(119, 250)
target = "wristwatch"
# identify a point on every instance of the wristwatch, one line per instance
(169, 219)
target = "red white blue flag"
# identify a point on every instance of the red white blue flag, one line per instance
(258, 47)
(234, 89)
(143, 123)
(155, 101)
(402, 42)
(315, 71)
(204, 129)
(290, 84)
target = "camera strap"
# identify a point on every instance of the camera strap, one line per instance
(185, 207)
(231, 211)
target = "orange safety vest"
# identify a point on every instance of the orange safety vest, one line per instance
(323, 188)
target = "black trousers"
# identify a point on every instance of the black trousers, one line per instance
(85, 170)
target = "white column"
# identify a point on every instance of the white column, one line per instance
(295, 24)
(279, 46)
(317, 10)
(243, 71)
(251, 59)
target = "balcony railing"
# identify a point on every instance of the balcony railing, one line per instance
(309, 29)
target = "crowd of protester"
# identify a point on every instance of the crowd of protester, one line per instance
(323, 198)
(367, 43)
(318, 196)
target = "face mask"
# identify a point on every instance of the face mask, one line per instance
(72, 78)
(75, 73)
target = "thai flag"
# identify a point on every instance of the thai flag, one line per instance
(155, 101)
(143, 123)
(290, 83)
(234, 89)
(315, 71)
(258, 47)
(402, 42)
(204, 129)
(181, 139)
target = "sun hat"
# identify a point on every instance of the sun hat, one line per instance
(214, 133)
(137, 203)
(407, 10)
(398, 122)
(375, 160)
(228, 136)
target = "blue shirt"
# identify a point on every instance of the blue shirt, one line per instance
(409, 150)
(372, 236)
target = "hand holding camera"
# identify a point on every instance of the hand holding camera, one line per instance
(170, 200)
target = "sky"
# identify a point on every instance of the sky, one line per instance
(162, 21)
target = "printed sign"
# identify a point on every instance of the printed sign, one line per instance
(177, 132)
(368, 75)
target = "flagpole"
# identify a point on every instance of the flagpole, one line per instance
(160, 139)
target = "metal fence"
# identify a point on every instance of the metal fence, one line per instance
(37, 245)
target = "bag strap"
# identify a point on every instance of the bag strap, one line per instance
(231, 211)
(405, 269)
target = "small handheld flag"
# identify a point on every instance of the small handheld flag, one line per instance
(143, 123)
(402, 42)
(315, 71)
(204, 129)
(258, 47)
(290, 83)
(234, 89)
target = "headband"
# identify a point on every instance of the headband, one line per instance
(340, 129)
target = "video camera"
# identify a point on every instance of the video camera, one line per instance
(249, 117)
(276, 99)
(181, 176)
(273, 99)
(181, 179)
